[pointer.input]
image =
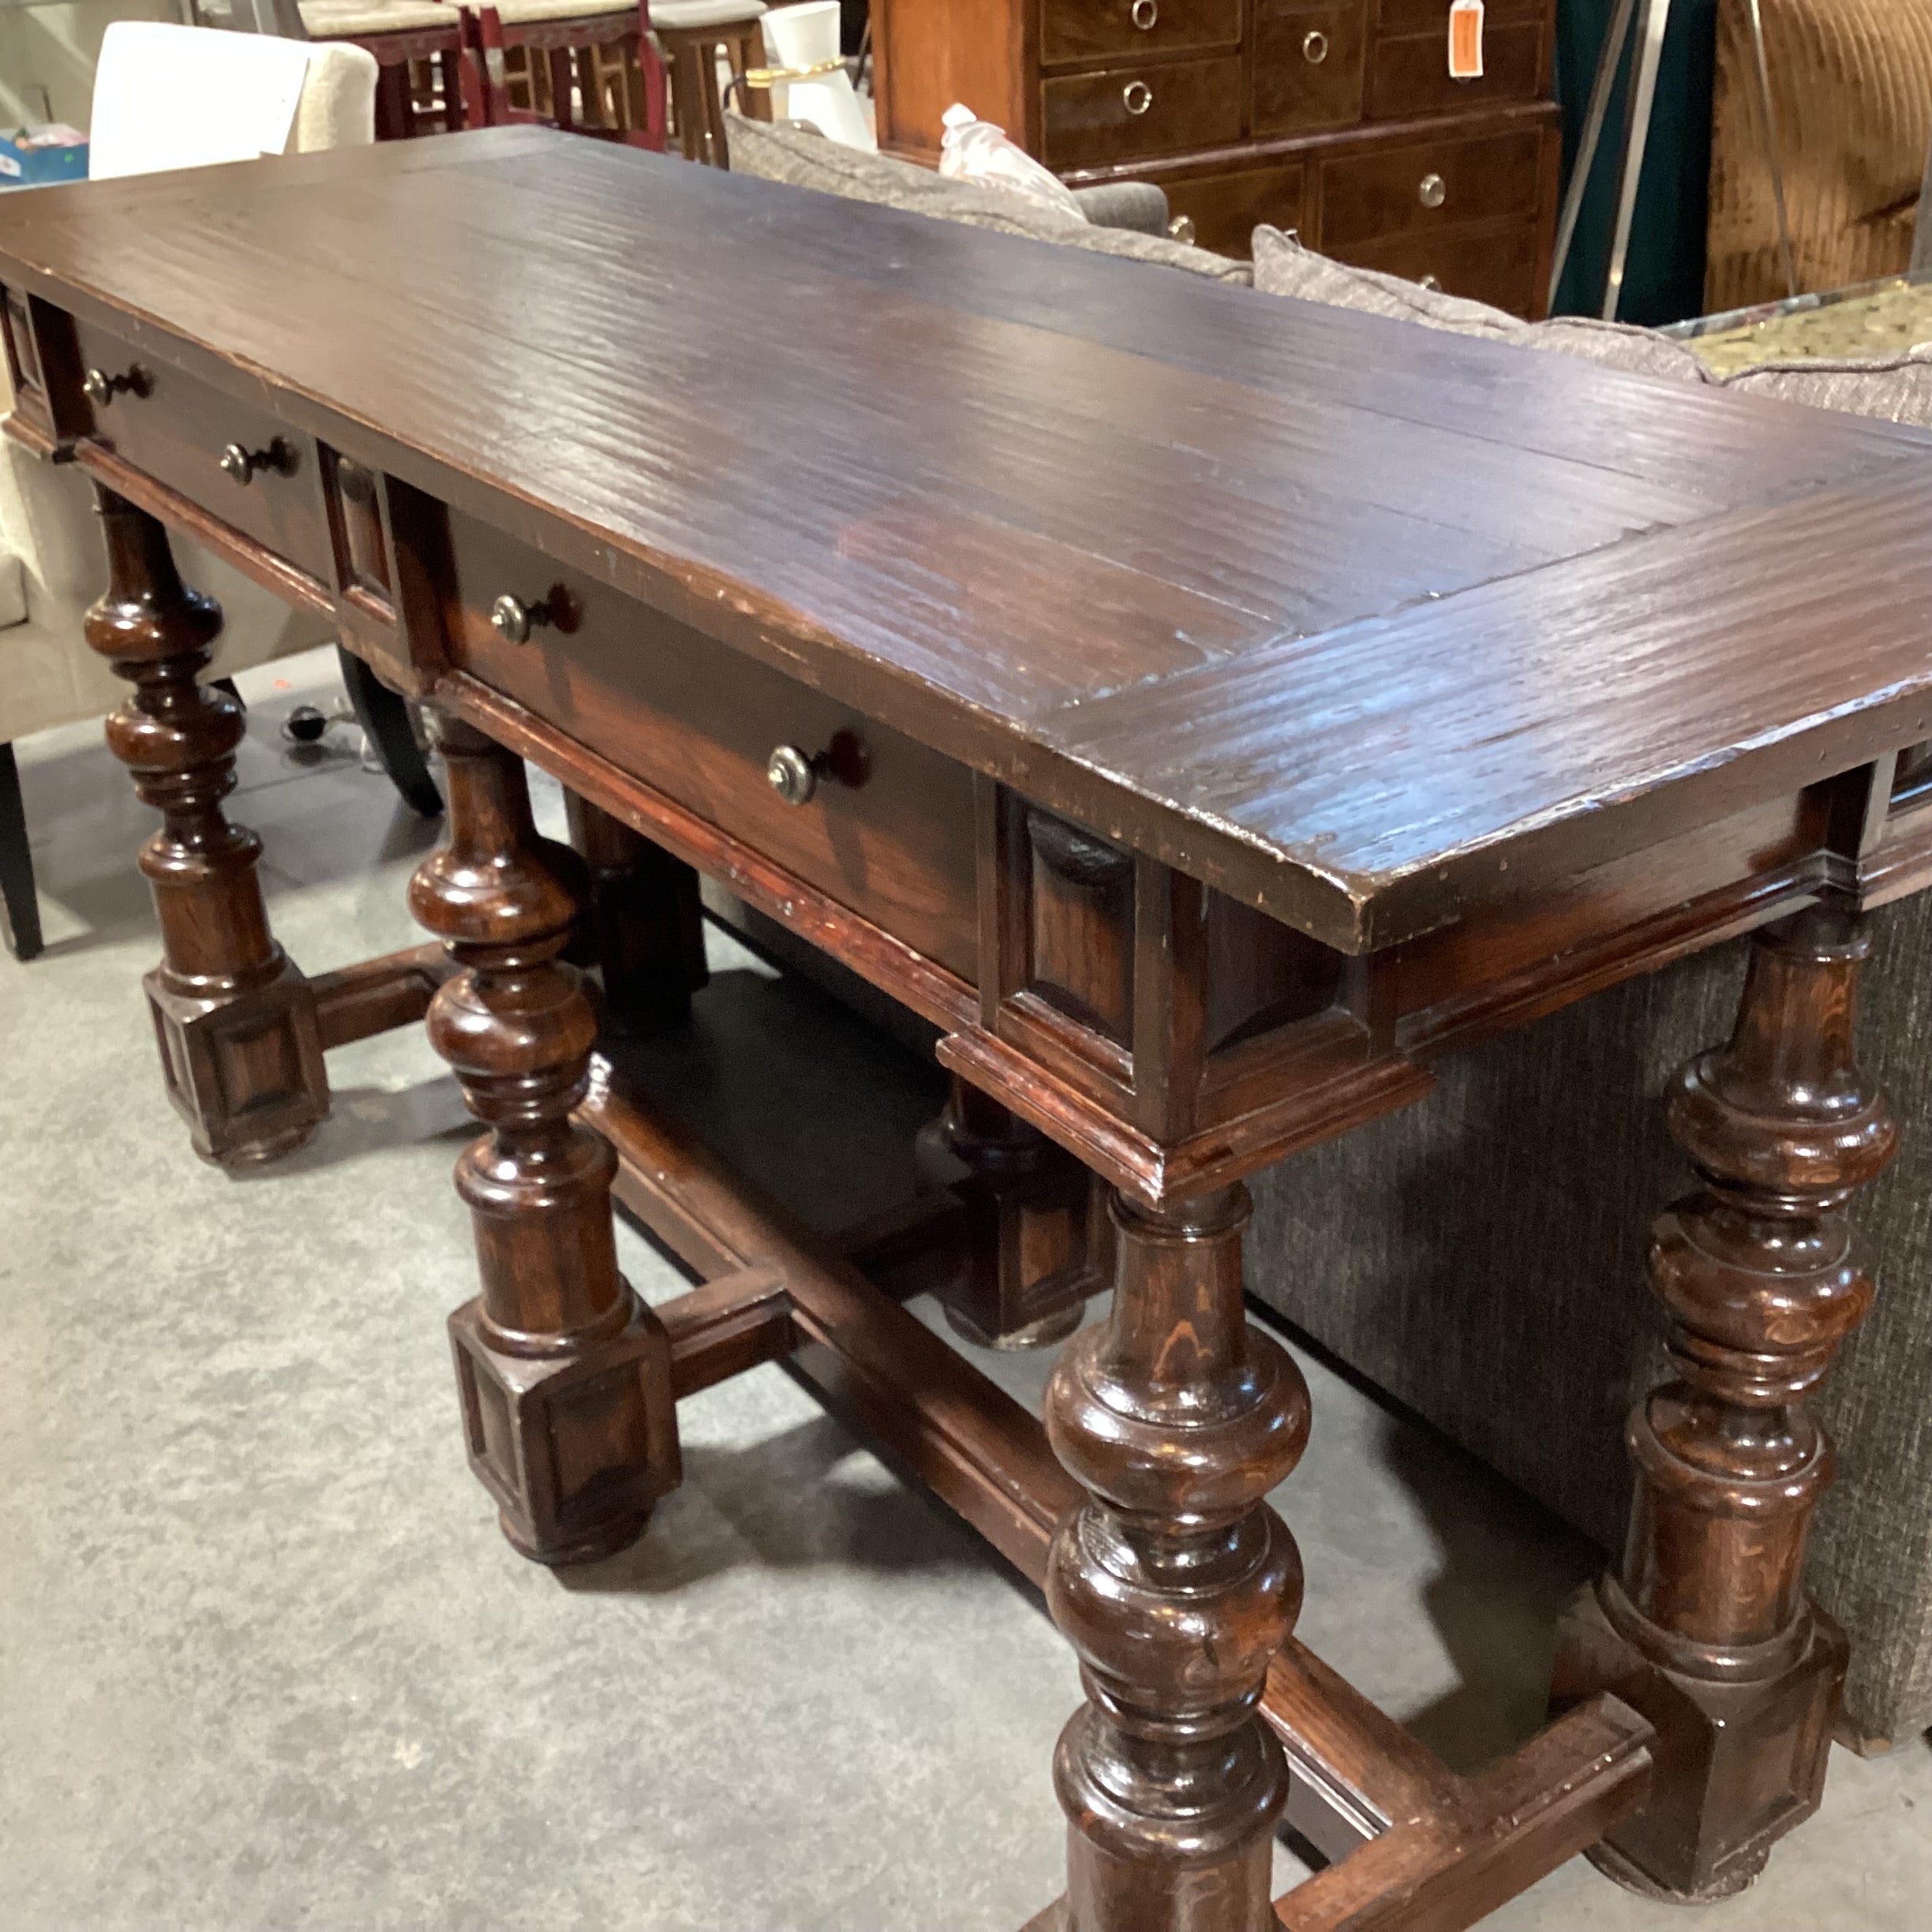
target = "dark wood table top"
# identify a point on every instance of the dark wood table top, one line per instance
(1359, 621)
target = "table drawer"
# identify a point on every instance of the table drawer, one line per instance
(174, 427)
(1227, 208)
(1425, 185)
(1409, 77)
(1307, 67)
(1090, 30)
(1126, 112)
(889, 831)
(1496, 264)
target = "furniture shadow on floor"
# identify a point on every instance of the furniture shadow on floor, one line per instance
(374, 1120)
(811, 1104)
(1495, 1571)
(812, 1496)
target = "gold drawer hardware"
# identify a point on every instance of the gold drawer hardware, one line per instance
(244, 465)
(1315, 47)
(1143, 13)
(1136, 97)
(1181, 229)
(1433, 192)
(1433, 284)
(100, 389)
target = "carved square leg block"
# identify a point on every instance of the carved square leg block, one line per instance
(575, 1447)
(1738, 1765)
(246, 1072)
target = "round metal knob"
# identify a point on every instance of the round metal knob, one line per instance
(1143, 13)
(792, 775)
(1430, 282)
(1433, 192)
(100, 389)
(1181, 229)
(513, 620)
(1315, 47)
(246, 465)
(1136, 97)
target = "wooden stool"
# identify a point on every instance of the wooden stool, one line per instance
(693, 33)
(587, 66)
(428, 82)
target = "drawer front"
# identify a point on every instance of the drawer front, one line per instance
(698, 721)
(1432, 17)
(1307, 67)
(1227, 208)
(1126, 112)
(1422, 186)
(175, 428)
(1494, 265)
(1092, 30)
(1409, 77)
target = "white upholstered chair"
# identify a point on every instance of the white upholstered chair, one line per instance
(149, 83)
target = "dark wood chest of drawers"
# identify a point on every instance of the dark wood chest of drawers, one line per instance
(1337, 118)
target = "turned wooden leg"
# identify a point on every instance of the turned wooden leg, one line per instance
(235, 1019)
(643, 928)
(1706, 1629)
(1176, 1584)
(1038, 1240)
(564, 1376)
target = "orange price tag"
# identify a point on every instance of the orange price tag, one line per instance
(1465, 32)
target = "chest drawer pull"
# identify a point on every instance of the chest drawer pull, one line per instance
(1136, 97)
(1433, 284)
(1433, 192)
(1315, 47)
(246, 465)
(100, 389)
(1143, 13)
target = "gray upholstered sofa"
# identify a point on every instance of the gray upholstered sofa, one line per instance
(1480, 1256)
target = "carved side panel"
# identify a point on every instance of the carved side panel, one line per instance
(355, 506)
(1082, 926)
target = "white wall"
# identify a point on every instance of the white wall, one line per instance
(47, 55)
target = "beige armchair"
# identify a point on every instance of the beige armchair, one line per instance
(52, 564)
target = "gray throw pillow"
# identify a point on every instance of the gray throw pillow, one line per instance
(1283, 267)
(797, 152)
(1898, 388)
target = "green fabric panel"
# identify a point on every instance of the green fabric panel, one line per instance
(1664, 280)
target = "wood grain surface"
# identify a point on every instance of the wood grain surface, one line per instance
(1354, 620)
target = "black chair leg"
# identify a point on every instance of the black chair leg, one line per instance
(17, 877)
(385, 722)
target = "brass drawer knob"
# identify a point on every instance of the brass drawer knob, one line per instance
(100, 389)
(1181, 229)
(1143, 13)
(1433, 192)
(244, 465)
(793, 775)
(513, 620)
(1315, 47)
(1136, 97)
(1433, 284)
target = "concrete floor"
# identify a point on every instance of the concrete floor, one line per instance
(266, 1663)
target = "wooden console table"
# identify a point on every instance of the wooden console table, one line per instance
(1207, 710)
